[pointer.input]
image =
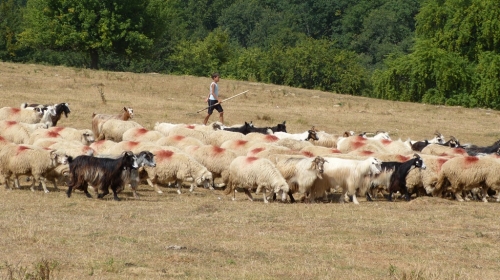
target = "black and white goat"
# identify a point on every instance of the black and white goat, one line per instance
(102, 173)
(59, 110)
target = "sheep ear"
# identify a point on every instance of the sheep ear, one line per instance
(125, 109)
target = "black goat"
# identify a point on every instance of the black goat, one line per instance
(244, 129)
(279, 127)
(398, 177)
(475, 150)
(101, 173)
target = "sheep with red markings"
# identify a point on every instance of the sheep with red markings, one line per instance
(21, 115)
(251, 173)
(460, 174)
(348, 174)
(255, 136)
(84, 136)
(190, 132)
(215, 159)
(133, 146)
(141, 134)
(179, 141)
(352, 143)
(113, 129)
(441, 150)
(30, 161)
(165, 128)
(425, 179)
(178, 167)
(14, 132)
(240, 147)
(320, 151)
(218, 137)
(98, 120)
(102, 145)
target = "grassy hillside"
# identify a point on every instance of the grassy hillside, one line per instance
(81, 238)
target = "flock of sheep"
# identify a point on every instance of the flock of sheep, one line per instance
(242, 158)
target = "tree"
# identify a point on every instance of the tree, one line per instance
(10, 26)
(89, 26)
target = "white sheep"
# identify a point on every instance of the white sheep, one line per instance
(299, 172)
(255, 136)
(326, 139)
(251, 173)
(165, 128)
(178, 167)
(85, 136)
(141, 134)
(441, 150)
(134, 146)
(190, 132)
(14, 132)
(72, 148)
(113, 129)
(293, 144)
(425, 178)
(98, 120)
(102, 145)
(349, 175)
(21, 115)
(351, 143)
(215, 159)
(466, 173)
(320, 151)
(30, 161)
(218, 137)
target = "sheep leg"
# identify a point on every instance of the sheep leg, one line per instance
(484, 194)
(265, 197)
(191, 189)
(354, 199)
(179, 186)
(458, 196)
(154, 186)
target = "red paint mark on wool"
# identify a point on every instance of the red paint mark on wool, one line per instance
(190, 126)
(459, 151)
(307, 154)
(163, 155)
(10, 123)
(359, 138)
(178, 137)
(57, 129)
(470, 160)
(270, 138)
(241, 142)
(357, 144)
(251, 159)
(257, 150)
(335, 151)
(366, 153)
(53, 134)
(386, 141)
(141, 131)
(131, 144)
(99, 143)
(217, 150)
(21, 149)
(15, 110)
(440, 162)
(402, 158)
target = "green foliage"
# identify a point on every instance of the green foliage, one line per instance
(202, 57)
(455, 58)
(89, 26)
(10, 26)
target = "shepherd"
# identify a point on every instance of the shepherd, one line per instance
(213, 100)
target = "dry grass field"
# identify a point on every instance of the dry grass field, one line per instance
(217, 238)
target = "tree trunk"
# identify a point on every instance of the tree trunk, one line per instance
(94, 59)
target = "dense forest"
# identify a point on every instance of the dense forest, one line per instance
(432, 51)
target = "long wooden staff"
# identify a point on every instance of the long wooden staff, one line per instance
(223, 101)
